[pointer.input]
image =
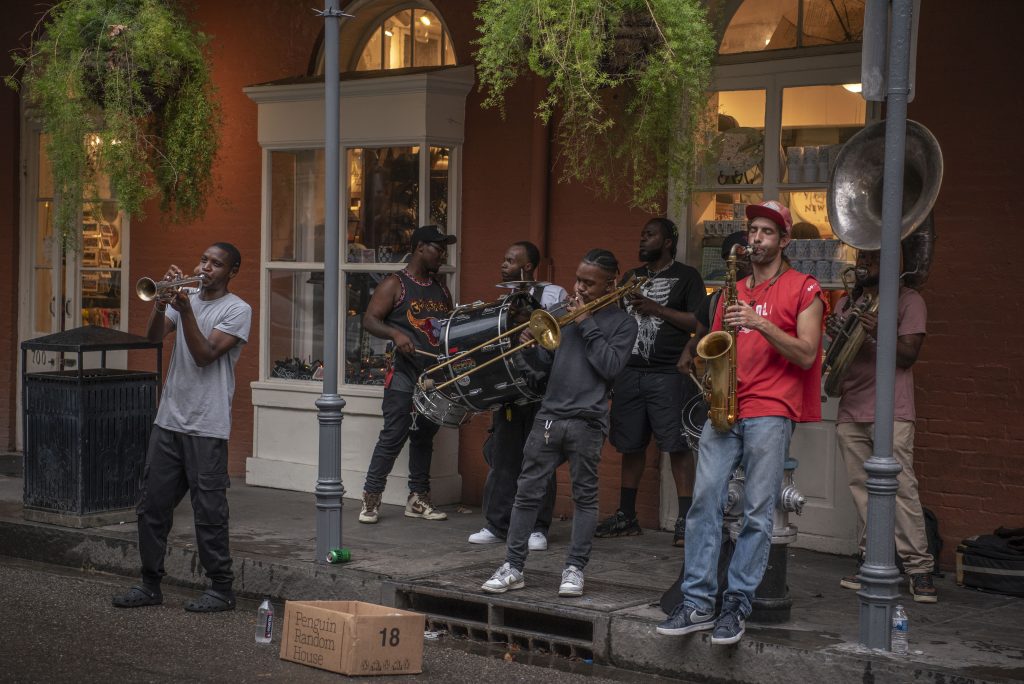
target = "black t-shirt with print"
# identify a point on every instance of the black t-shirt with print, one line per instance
(658, 342)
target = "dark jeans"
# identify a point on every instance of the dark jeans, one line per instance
(503, 452)
(177, 463)
(575, 440)
(399, 425)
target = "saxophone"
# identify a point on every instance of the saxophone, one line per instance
(718, 349)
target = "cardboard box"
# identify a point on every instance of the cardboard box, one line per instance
(352, 637)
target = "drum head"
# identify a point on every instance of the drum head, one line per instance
(695, 414)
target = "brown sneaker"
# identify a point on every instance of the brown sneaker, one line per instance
(419, 505)
(370, 512)
(922, 589)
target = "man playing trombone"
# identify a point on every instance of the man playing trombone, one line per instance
(188, 446)
(572, 422)
(510, 424)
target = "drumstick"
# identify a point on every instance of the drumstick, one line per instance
(696, 381)
(426, 353)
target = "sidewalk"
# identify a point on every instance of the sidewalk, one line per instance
(967, 637)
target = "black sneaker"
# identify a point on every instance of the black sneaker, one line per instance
(679, 534)
(729, 627)
(684, 620)
(618, 525)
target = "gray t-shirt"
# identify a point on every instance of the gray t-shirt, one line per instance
(197, 401)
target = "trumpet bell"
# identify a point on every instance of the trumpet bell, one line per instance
(146, 289)
(545, 329)
(855, 186)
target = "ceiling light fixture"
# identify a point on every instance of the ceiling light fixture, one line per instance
(425, 20)
(852, 87)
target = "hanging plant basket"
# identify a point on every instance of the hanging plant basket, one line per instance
(626, 80)
(122, 87)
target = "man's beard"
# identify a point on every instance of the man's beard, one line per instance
(646, 255)
(762, 255)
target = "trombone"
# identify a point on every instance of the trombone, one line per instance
(545, 328)
(148, 289)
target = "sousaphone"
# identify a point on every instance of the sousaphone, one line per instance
(855, 212)
(855, 190)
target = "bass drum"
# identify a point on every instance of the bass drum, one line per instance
(695, 415)
(502, 382)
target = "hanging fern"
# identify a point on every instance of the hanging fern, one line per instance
(122, 87)
(626, 83)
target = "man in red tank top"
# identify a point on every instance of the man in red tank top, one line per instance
(778, 317)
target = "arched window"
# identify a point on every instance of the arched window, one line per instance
(407, 38)
(759, 25)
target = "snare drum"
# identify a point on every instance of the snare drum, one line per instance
(438, 408)
(695, 414)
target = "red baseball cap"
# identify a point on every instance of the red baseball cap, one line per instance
(773, 211)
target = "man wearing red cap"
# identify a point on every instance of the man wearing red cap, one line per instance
(777, 318)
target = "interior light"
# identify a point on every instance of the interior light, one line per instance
(767, 40)
(425, 20)
(852, 87)
(388, 33)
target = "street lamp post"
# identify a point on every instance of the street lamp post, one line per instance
(878, 573)
(329, 489)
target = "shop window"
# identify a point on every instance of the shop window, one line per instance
(778, 141)
(385, 194)
(760, 25)
(408, 38)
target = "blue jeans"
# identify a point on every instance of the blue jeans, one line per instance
(760, 445)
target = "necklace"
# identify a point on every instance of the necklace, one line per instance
(771, 283)
(429, 281)
(651, 275)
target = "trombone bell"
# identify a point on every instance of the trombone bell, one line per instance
(545, 329)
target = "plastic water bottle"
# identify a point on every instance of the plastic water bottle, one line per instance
(900, 631)
(265, 622)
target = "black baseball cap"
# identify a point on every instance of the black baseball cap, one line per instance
(431, 234)
(737, 238)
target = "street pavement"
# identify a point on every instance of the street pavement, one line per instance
(58, 625)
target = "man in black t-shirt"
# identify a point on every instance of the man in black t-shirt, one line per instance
(649, 394)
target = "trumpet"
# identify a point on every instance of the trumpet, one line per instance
(148, 289)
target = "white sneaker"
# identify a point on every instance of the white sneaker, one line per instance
(484, 536)
(419, 505)
(504, 578)
(572, 582)
(538, 542)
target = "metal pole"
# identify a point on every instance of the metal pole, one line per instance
(879, 575)
(329, 489)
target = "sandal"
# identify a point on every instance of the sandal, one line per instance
(211, 601)
(138, 596)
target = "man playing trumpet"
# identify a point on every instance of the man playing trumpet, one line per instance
(188, 446)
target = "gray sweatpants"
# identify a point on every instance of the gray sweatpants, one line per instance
(551, 443)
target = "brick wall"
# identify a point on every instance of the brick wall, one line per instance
(249, 46)
(970, 438)
(18, 21)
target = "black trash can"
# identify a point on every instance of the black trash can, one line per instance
(86, 429)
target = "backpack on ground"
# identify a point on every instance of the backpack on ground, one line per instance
(992, 562)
